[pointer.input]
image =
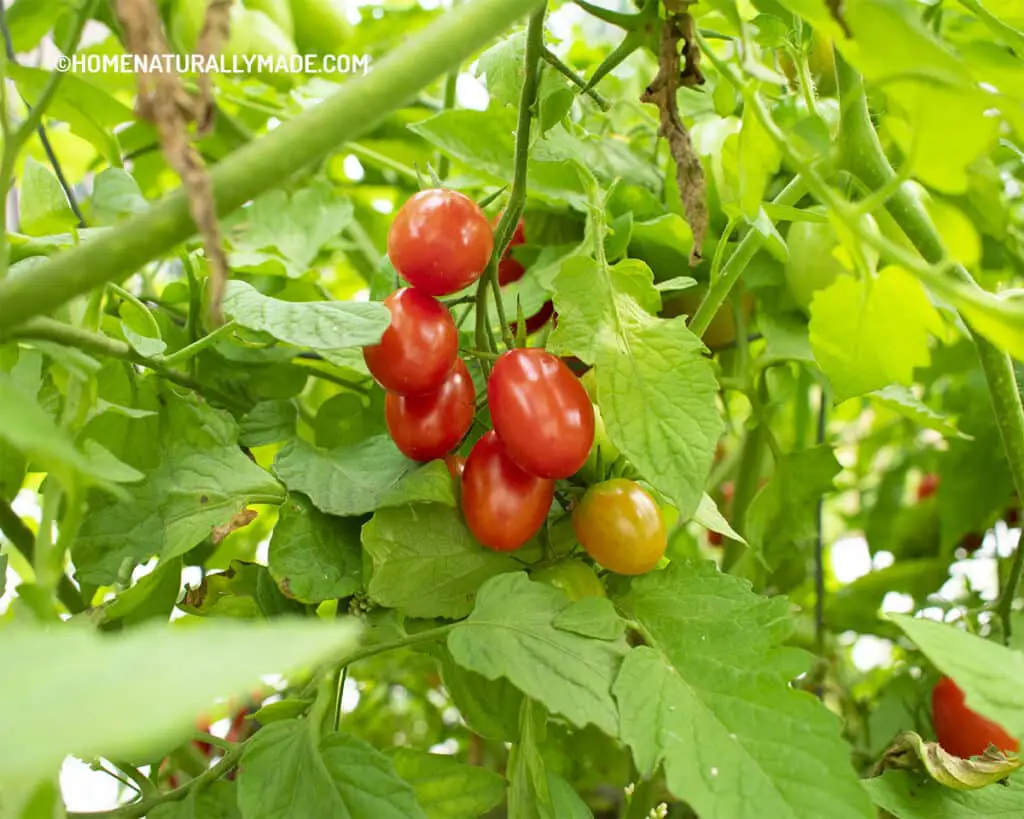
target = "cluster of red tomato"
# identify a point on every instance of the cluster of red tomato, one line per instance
(962, 731)
(543, 421)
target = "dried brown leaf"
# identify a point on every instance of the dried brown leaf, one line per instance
(243, 518)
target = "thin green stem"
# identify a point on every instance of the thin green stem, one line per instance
(354, 109)
(135, 810)
(196, 347)
(35, 114)
(864, 157)
(556, 63)
(127, 295)
(313, 368)
(1013, 37)
(517, 196)
(379, 160)
(738, 261)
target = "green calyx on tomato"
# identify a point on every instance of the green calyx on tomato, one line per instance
(574, 577)
(815, 249)
(603, 453)
(621, 527)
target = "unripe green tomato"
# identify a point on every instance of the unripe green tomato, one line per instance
(253, 33)
(573, 577)
(321, 26)
(812, 264)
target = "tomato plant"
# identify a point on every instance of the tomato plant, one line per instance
(504, 506)
(418, 349)
(961, 731)
(440, 241)
(668, 491)
(541, 412)
(574, 577)
(621, 527)
(428, 426)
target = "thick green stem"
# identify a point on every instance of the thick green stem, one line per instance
(738, 261)
(353, 110)
(864, 157)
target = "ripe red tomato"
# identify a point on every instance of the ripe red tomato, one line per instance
(961, 731)
(621, 527)
(509, 270)
(715, 538)
(456, 464)
(542, 412)
(503, 505)
(972, 542)
(440, 241)
(537, 320)
(428, 426)
(929, 486)
(419, 347)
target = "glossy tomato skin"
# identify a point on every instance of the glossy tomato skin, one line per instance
(503, 505)
(621, 527)
(429, 426)
(961, 731)
(419, 347)
(440, 241)
(574, 577)
(509, 270)
(456, 464)
(542, 412)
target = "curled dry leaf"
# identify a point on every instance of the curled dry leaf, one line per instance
(909, 751)
(662, 92)
(243, 518)
(162, 99)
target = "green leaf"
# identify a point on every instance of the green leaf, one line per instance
(196, 479)
(115, 195)
(289, 773)
(30, 20)
(709, 697)
(446, 788)
(909, 751)
(489, 707)
(346, 418)
(758, 161)
(869, 334)
(48, 674)
(357, 479)
(267, 423)
(903, 402)
(425, 561)
(911, 796)
(218, 800)
(503, 67)
(655, 389)
(153, 597)
(591, 617)
(529, 794)
(317, 325)
(279, 233)
(90, 111)
(42, 205)
(313, 556)
(784, 512)
(989, 674)
(141, 329)
(26, 427)
(858, 605)
(565, 802)
(512, 633)
(998, 317)
(708, 516)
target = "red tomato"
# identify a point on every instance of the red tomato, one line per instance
(537, 320)
(621, 527)
(972, 542)
(714, 538)
(503, 505)
(542, 412)
(428, 426)
(928, 486)
(509, 270)
(419, 347)
(728, 491)
(961, 731)
(440, 241)
(455, 464)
